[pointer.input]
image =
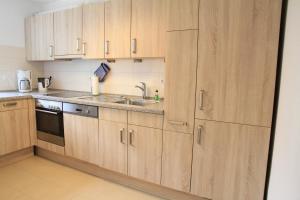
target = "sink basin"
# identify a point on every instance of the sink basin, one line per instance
(136, 102)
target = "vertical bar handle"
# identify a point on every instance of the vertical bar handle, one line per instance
(201, 97)
(84, 48)
(121, 136)
(51, 53)
(133, 45)
(131, 135)
(78, 44)
(106, 47)
(199, 136)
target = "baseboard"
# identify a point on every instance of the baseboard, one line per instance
(16, 156)
(140, 185)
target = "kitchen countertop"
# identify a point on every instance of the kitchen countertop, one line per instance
(156, 108)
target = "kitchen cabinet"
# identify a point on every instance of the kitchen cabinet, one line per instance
(180, 82)
(237, 63)
(144, 153)
(177, 160)
(117, 28)
(14, 123)
(93, 31)
(81, 137)
(113, 146)
(229, 160)
(68, 33)
(148, 28)
(182, 15)
(39, 37)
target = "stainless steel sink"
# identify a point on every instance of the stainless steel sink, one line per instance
(136, 102)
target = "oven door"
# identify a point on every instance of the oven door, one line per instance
(50, 126)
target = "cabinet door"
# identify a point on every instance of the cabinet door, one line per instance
(14, 131)
(180, 83)
(177, 160)
(93, 31)
(113, 146)
(237, 60)
(68, 32)
(229, 161)
(39, 37)
(144, 153)
(148, 28)
(182, 15)
(117, 28)
(81, 137)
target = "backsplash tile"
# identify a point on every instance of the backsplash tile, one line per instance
(124, 75)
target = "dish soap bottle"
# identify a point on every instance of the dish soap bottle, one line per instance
(156, 97)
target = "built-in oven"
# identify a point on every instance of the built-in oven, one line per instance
(49, 121)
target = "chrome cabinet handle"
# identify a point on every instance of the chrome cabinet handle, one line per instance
(83, 48)
(121, 136)
(11, 104)
(199, 137)
(51, 52)
(78, 44)
(201, 96)
(131, 135)
(178, 123)
(133, 45)
(106, 47)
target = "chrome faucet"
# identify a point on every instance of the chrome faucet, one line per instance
(143, 88)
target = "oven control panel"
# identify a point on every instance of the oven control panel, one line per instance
(49, 105)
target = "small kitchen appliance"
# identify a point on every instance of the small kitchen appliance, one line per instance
(24, 78)
(43, 84)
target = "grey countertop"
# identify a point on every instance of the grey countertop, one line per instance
(156, 108)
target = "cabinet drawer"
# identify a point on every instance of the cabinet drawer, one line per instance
(13, 105)
(114, 115)
(51, 147)
(145, 119)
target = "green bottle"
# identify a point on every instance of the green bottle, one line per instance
(156, 97)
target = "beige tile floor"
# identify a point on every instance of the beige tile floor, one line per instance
(39, 179)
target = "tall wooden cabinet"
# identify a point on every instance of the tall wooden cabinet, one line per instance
(237, 60)
(148, 28)
(229, 160)
(68, 33)
(180, 83)
(117, 28)
(93, 31)
(81, 137)
(39, 37)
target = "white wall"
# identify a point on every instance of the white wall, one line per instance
(124, 75)
(12, 42)
(285, 174)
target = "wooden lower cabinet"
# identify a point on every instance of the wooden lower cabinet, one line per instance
(113, 146)
(81, 138)
(229, 161)
(14, 130)
(177, 160)
(144, 153)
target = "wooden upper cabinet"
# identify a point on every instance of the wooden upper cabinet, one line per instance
(182, 14)
(68, 33)
(145, 153)
(148, 28)
(39, 37)
(180, 83)
(238, 48)
(81, 138)
(229, 161)
(15, 128)
(177, 160)
(93, 31)
(117, 28)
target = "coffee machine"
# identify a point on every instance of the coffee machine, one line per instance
(24, 78)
